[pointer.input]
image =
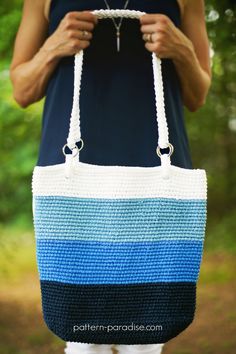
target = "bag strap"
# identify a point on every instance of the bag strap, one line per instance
(74, 134)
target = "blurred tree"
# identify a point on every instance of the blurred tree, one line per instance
(10, 14)
(212, 129)
(19, 129)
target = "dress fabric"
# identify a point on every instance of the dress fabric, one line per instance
(117, 100)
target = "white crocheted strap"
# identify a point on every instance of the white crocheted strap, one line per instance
(74, 134)
(102, 13)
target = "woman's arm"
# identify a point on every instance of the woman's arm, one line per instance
(193, 60)
(188, 48)
(35, 57)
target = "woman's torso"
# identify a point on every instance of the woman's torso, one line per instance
(117, 100)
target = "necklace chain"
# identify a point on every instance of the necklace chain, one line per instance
(117, 26)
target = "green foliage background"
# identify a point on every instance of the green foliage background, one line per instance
(211, 130)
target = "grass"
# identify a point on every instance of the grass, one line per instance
(17, 254)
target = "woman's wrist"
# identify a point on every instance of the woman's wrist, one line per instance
(189, 70)
(48, 56)
(184, 52)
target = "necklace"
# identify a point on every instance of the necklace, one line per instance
(117, 26)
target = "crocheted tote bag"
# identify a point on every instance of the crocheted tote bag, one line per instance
(118, 248)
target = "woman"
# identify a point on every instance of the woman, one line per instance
(117, 100)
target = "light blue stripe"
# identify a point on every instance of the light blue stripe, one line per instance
(116, 220)
(84, 262)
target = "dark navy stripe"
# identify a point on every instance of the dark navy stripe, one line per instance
(84, 262)
(171, 306)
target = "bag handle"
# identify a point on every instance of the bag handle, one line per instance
(74, 134)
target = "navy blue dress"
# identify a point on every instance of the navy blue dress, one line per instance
(117, 102)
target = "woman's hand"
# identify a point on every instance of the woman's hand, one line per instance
(188, 48)
(166, 39)
(36, 55)
(68, 38)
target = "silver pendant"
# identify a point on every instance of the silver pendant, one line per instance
(118, 40)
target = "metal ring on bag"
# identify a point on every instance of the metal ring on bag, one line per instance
(170, 146)
(76, 148)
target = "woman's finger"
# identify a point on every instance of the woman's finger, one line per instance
(151, 28)
(148, 18)
(81, 15)
(149, 37)
(76, 44)
(84, 35)
(85, 25)
(79, 34)
(154, 37)
(78, 24)
(153, 18)
(157, 48)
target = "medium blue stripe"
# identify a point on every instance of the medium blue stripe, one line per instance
(83, 262)
(116, 220)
